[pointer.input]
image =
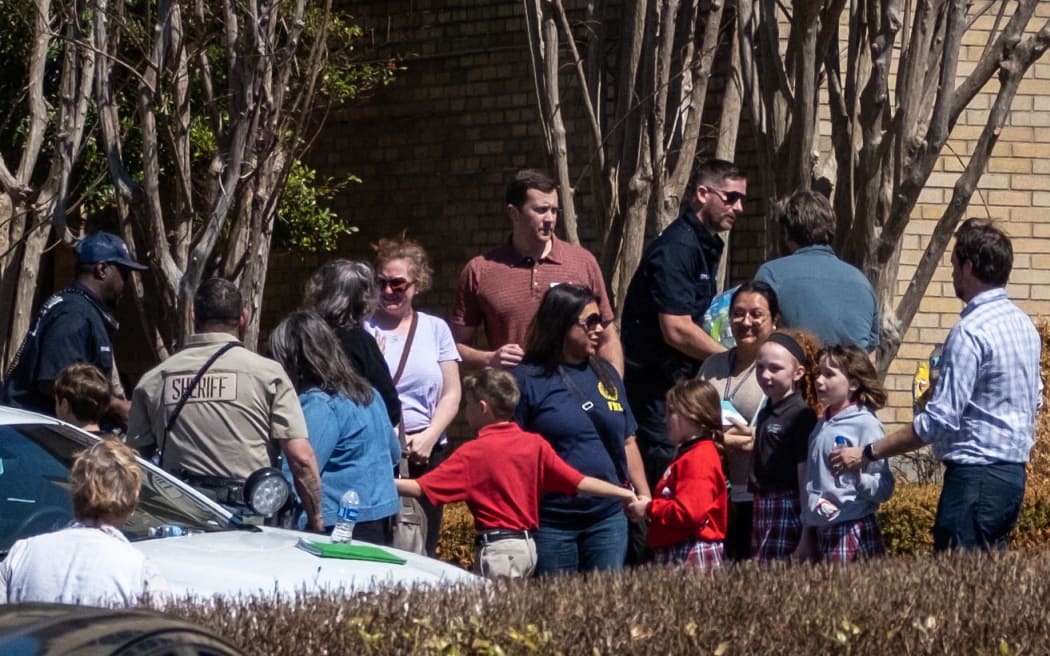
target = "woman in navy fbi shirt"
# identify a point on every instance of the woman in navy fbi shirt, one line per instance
(576, 401)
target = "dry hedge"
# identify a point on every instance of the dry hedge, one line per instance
(966, 603)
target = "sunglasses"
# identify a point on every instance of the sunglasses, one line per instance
(396, 285)
(729, 197)
(590, 322)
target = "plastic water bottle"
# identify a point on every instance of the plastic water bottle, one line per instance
(344, 523)
(165, 531)
(846, 478)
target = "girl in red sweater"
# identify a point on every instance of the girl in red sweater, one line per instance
(688, 512)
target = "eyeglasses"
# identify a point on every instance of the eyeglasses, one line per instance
(590, 322)
(396, 285)
(740, 315)
(730, 198)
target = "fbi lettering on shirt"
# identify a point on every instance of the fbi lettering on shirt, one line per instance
(218, 386)
(612, 397)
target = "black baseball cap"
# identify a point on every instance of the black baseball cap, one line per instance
(108, 248)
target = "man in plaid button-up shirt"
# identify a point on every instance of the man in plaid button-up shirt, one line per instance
(981, 419)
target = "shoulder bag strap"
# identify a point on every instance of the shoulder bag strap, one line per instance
(403, 465)
(588, 406)
(408, 347)
(187, 392)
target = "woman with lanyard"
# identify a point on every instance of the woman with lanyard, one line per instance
(420, 348)
(753, 313)
(576, 401)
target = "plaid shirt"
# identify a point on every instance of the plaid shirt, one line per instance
(985, 402)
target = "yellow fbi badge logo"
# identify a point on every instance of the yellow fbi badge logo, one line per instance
(611, 396)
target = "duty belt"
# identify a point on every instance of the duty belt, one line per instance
(225, 490)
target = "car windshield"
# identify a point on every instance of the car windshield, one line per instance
(35, 460)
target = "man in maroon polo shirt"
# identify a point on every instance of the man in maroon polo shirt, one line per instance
(503, 288)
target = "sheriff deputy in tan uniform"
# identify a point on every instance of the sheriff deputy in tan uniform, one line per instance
(241, 412)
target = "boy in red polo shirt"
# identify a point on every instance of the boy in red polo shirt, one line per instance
(501, 475)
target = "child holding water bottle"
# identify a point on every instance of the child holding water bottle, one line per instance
(840, 511)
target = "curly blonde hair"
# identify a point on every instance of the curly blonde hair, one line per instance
(412, 251)
(105, 482)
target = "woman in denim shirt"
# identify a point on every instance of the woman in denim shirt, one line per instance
(348, 426)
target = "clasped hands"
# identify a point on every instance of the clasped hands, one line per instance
(636, 509)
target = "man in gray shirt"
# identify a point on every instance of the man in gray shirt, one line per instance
(816, 290)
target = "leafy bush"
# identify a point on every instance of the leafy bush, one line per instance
(930, 605)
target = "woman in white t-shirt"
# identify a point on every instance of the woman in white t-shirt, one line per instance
(90, 563)
(428, 387)
(753, 315)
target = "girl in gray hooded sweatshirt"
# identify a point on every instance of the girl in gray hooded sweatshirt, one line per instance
(839, 513)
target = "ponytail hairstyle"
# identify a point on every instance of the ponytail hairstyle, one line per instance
(855, 365)
(698, 401)
(805, 349)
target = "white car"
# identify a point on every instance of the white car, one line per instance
(217, 555)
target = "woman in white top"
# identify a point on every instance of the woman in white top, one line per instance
(753, 314)
(90, 563)
(429, 387)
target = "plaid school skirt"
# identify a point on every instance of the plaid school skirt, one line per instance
(848, 541)
(698, 554)
(776, 527)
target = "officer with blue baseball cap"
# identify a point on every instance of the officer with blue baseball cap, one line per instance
(74, 325)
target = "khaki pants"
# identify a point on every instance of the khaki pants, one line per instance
(513, 558)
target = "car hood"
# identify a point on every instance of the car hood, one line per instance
(268, 560)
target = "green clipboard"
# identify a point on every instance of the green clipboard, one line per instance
(350, 551)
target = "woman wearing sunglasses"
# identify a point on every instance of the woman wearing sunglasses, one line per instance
(576, 401)
(428, 380)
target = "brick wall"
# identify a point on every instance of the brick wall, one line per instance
(436, 147)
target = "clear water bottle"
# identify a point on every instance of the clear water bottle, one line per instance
(165, 531)
(846, 478)
(344, 523)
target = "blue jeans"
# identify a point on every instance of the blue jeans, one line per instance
(598, 546)
(979, 506)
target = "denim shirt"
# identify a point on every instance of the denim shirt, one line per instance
(356, 447)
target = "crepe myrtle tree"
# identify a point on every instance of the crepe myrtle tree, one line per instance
(187, 120)
(884, 74)
(223, 100)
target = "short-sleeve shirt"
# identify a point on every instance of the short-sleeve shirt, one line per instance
(781, 444)
(421, 382)
(820, 293)
(501, 475)
(503, 289)
(677, 276)
(234, 418)
(78, 565)
(550, 408)
(744, 392)
(72, 326)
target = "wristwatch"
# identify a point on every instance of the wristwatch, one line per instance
(868, 453)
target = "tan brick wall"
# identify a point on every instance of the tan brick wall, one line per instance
(436, 148)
